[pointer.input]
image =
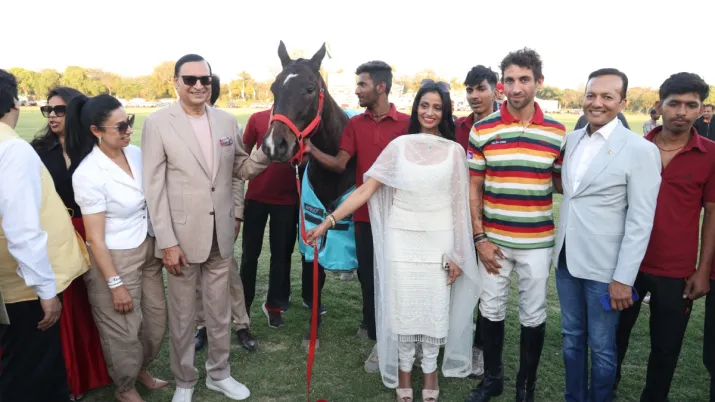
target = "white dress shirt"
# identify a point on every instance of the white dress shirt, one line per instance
(20, 203)
(100, 185)
(586, 149)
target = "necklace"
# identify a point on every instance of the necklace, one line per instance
(668, 150)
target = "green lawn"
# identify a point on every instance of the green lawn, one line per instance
(277, 371)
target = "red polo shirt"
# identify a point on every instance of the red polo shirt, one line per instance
(463, 128)
(276, 184)
(688, 182)
(365, 138)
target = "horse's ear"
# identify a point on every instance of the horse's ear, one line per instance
(317, 58)
(283, 55)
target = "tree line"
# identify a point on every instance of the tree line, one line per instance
(160, 84)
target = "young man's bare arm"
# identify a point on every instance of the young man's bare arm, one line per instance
(335, 163)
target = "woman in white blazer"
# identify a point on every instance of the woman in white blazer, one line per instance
(125, 286)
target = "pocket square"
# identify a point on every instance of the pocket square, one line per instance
(226, 141)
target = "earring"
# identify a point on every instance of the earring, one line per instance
(100, 141)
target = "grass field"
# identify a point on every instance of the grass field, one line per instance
(276, 372)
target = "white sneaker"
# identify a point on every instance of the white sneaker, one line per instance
(372, 364)
(229, 387)
(347, 276)
(182, 394)
(477, 362)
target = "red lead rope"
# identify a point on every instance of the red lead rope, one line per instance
(295, 161)
(314, 312)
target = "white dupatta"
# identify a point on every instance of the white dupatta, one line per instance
(425, 149)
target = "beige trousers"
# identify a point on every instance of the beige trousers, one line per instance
(131, 341)
(238, 300)
(214, 273)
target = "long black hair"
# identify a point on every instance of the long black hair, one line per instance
(82, 113)
(446, 127)
(46, 139)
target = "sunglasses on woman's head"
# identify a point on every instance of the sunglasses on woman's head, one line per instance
(123, 126)
(441, 85)
(60, 110)
(190, 80)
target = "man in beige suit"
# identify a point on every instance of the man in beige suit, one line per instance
(190, 158)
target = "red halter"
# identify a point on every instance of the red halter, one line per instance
(301, 136)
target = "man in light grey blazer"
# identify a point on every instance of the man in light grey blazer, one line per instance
(611, 177)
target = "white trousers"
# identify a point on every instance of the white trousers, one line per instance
(406, 356)
(533, 268)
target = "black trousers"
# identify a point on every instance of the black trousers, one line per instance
(669, 316)
(709, 338)
(33, 369)
(366, 274)
(282, 236)
(307, 285)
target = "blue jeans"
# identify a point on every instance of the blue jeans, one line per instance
(585, 323)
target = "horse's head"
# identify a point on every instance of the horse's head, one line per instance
(296, 93)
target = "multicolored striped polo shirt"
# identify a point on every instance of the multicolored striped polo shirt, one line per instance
(518, 163)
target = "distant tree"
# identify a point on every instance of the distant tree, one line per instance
(162, 81)
(26, 80)
(82, 80)
(550, 93)
(110, 81)
(46, 80)
(572, 99)
(456, 84)
(128, 88)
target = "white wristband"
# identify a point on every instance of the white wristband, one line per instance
(114, 281)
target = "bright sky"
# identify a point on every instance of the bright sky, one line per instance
(646, 40)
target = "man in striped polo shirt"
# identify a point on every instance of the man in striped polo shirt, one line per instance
(514, 161)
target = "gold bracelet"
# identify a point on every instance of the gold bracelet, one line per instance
(332, 220)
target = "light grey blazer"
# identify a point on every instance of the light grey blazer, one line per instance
(606, 223)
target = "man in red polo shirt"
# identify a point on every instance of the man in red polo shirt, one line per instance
(481, 84)
(271, 194)
(668, 270)
(364, 138)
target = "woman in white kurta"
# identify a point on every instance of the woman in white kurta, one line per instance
(426, 277)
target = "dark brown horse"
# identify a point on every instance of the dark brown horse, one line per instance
(296, 93)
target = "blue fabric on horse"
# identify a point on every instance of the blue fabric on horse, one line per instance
(351, 113)
(337, 247)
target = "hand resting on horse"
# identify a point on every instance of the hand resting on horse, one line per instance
(335, 163)
(357, 199)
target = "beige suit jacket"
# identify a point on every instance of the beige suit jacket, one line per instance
(186, 204)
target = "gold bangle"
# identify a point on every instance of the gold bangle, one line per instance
(332, 220)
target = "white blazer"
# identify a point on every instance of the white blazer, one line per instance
(606, 222)
(100, 185)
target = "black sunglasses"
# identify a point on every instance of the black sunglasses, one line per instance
(190, 80)
(441, 85)
(123, 126)
(60, 110)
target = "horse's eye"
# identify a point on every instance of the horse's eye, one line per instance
(310, 90)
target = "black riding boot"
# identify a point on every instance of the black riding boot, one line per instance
(493, 383)
(532, 342)
(306, 335)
